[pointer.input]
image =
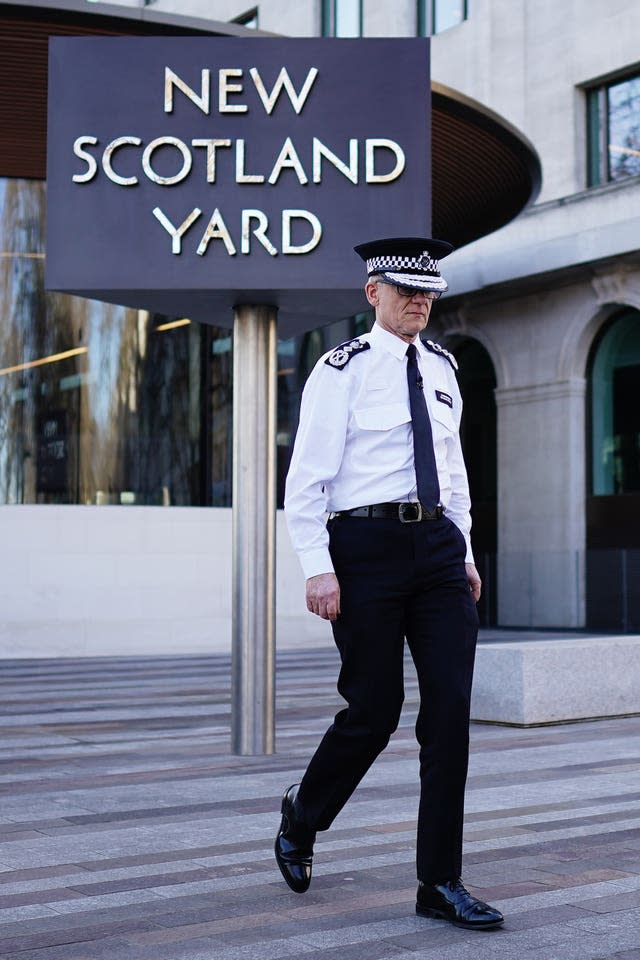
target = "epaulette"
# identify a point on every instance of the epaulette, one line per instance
(436, 348)
(340, 355)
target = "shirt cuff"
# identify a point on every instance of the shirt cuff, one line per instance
(469, 556)
(315, 562)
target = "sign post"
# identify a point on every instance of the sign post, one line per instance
(254, 517)
(227, 180)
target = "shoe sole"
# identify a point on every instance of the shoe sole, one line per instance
(438, 915)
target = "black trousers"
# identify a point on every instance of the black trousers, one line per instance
(401, 581)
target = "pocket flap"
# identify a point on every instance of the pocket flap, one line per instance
(382, 417)
(444, 415)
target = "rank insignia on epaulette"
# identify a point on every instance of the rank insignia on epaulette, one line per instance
(436, 348)
(340, 356)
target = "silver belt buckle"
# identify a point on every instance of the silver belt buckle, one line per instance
(410, 512)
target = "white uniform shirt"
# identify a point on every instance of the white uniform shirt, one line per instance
(354, 444)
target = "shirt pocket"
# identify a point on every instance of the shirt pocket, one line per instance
(382, 417)
(442, 417)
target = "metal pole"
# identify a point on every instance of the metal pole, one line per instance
(254, 514)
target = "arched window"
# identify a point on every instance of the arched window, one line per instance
(615, 408)
(477, 380)
(613, 506)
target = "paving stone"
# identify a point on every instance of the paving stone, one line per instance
(612, 904)
(130, 832)
(38, 896)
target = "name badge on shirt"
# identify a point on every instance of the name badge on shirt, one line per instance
(444, 398)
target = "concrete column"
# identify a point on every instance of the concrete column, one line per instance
(541, 504)
(254, 511)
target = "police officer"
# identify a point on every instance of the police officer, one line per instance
(378, 449)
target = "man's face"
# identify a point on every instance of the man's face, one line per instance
(406, 317)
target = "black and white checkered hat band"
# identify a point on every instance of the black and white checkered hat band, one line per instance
(419, 281)
(424, 263)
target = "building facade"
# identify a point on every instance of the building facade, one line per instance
(105, 406)
(553, 299)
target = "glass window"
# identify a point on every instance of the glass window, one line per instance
(342, 18)
(624, 129)
(248, 19)
(98, 403)
(101, 404)
(448, 13)
(296, 359)
(613, 131)
(615, 408)
(436, 16)
(219, 415)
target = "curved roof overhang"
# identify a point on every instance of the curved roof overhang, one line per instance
(484, 171)
(24, 36)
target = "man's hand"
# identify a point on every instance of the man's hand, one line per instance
(475, 583)
(323, 596)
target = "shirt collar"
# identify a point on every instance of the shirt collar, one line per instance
(392, 343)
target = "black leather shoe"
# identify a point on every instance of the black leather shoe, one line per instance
(450, 901)
(294, 844)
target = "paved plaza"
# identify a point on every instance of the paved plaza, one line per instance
(130, 832)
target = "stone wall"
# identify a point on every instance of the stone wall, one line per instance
(82, 580)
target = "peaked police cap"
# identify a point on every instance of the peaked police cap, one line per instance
(407, 261)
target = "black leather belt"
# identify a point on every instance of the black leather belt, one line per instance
(411, 512)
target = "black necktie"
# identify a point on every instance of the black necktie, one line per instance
(425, 461)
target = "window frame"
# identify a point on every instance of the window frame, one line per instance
(246, 19)
(329, 18)
(598, 164)
(427, 21)
(601, 408)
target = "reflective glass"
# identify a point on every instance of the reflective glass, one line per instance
(251, 21)
(615, 408)
(296, 359)
(448, 13)
(99, 403)
(348, 18)
(624, 129)
(219, 373)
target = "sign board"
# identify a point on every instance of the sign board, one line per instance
(186, 175)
